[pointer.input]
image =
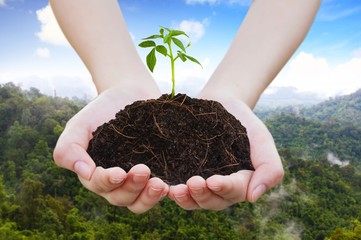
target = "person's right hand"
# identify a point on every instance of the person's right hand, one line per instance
(221, 191)
(135, 189)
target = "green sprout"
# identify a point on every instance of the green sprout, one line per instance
(169, 38)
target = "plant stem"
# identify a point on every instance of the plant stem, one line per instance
(172, 60)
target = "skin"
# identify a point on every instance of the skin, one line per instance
(219, 192)
(269, 35)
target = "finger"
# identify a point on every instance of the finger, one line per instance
(265, 177)
(180, 194)
(269, 170)
(134, 184)
(219, 192)
(70, 151)
(231, 188)
(154, 191)
(105, 180)
(203, 196)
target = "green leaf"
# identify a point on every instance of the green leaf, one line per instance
(192, 59)
(161, 31)
(178, 32)
(167, 38)
(179, 44)
(147, 44)
(182, 56)
(153, 37)
(161, 49)
(151, 60)
(169, 30)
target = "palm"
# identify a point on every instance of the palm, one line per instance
(218, 192)
(264, 155)
(133, 189)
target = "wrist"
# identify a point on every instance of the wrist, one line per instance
(132, 90)
(140, 82)
(235, 92)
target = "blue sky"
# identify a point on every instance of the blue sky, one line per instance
(33, 51)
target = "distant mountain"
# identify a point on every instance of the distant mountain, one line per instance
(330, 130)
(284, 96)
(344, 109)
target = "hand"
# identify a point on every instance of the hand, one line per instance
(133, 189)
(218, 192)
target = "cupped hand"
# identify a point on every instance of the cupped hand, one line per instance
(135, 189)
(219, 192)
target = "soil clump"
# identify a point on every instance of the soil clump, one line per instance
(176, 138)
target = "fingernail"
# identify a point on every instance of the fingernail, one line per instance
(140, 177)
(197, 191)
(82, 169)
(155, 191)
(258, 192)
(215, 188)
(117, 179)
(181, 198)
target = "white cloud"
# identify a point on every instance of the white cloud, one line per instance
(43, 52)
(194, 29)
(285, 96)
(50, 31)
(309, 73)
(2, 3)
(190, 77)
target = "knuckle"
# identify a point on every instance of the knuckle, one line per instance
(279, 174)
(241, 197)
(116, 202)
(98, 189)
(120, 200)
(137, 209)
(58, 156)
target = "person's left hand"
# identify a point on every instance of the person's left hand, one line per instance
(133, 189)
(219, 192)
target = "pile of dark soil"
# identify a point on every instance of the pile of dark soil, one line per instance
(176, 138)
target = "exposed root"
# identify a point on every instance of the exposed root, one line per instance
(120, 133)
(157, 125)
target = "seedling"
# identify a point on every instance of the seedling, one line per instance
(169, 38)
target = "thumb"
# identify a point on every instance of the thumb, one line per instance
(70, 152)
(265, 177)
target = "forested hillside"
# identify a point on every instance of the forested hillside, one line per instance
(331, 129)
(310, 139)
(342, 109)
(317, 199)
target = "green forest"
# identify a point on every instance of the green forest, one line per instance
(319, 198)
